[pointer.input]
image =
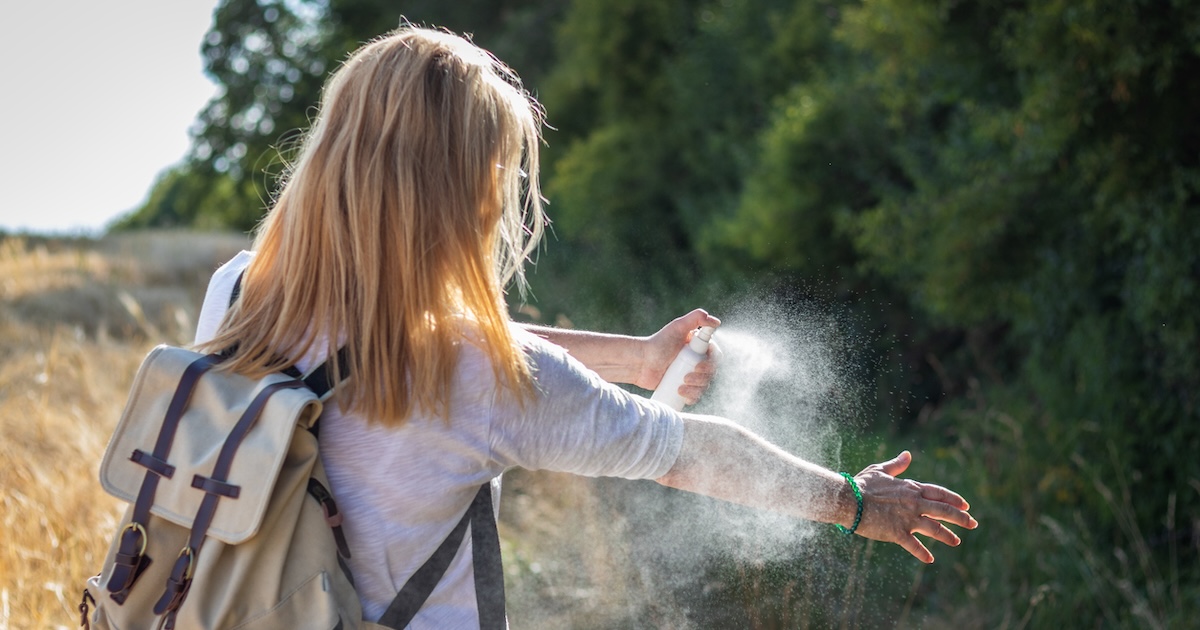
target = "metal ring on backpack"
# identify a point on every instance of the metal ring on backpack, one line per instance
(191, 565)
(137, 527)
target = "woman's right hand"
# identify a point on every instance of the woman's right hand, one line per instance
(660, 349)
(895, 509)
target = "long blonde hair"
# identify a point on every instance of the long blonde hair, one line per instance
(412, 204)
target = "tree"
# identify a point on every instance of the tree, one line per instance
(270, 59)
(657, 107)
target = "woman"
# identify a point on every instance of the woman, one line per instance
(413, 203)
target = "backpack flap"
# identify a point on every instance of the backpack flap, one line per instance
(217, 403)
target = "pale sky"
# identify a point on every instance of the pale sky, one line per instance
(97, 101)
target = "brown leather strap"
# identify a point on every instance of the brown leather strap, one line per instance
(177, 585)
(133, 542)
(154, 464)
(85, 621)
(333, 517)
(166, 435)
(212, 486)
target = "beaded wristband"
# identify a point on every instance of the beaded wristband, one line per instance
(858, 514)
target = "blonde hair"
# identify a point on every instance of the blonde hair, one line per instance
(412, 204)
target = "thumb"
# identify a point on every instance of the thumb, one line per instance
(897, 464)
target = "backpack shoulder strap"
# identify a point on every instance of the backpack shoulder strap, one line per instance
(319, 380)
(489, 578)
(489, 574)
(237, 288)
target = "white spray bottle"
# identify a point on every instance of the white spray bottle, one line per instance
(694, 352)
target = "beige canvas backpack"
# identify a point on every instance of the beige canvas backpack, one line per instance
(231, 522)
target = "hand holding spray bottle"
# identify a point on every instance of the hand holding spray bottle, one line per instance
(694, 352)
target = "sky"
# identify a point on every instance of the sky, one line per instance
(97, 101)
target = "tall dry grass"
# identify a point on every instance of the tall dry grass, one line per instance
(76, 318)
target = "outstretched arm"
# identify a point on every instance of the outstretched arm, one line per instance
(639, 361)
(723, 460)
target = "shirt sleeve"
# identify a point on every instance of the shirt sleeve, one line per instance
(216, 299)
(578, 423)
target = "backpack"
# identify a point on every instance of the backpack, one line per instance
(231, 522)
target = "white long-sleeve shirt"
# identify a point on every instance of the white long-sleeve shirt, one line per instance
(401, 490)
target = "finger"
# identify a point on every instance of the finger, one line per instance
(914, 546)
(938, 532)
(695, 383)
(709, 320)
(697, 318)
(714, 353)
(937, 493)
(690, 395)
(897, 464)
(693, 388)
(701, 374)
(944, 512)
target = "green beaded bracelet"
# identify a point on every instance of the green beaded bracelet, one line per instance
(858, 514)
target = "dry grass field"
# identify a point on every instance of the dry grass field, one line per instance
(76, 318)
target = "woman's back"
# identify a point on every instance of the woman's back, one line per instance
(402, 489)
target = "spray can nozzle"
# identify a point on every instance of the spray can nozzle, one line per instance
(694, 352)
(702, 335)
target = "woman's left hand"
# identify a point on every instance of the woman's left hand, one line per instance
(894, 509)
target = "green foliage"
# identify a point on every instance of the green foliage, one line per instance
(1062, 206)
(265, 56)
(657, 108)
(1060, 505)
(1048, 188)
(182, 198)
(1020, 178)
(270, 58)
(818, 159)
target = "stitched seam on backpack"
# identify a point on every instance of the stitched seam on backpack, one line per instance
(285, 599)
